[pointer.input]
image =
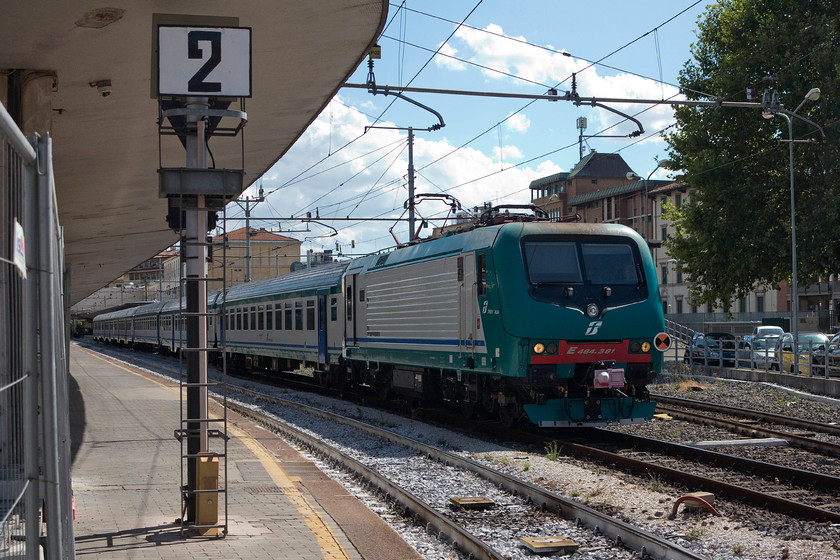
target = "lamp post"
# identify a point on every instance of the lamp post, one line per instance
(632, 176)
(772, 107)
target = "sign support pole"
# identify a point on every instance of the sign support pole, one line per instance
(196, 292)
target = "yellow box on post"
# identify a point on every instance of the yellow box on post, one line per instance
(207, 503)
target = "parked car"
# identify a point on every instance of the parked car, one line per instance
(758, 352)
(711, 349)
(767, 330)
(809, 351)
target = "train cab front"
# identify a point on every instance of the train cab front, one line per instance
(587, 313)
(589, 383)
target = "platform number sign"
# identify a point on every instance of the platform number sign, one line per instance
(204, 61)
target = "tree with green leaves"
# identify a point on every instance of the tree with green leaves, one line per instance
(735, 233)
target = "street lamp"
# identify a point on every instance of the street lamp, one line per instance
(772, 107)
(631, 176)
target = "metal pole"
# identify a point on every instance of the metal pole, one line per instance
(794, 294)
(196, 291)
(247, 240)
(49, 371)
(410, 183)
(29, 322)
(647, 213)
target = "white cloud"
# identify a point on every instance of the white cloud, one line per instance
(447, 61)
(518, 122)
(507, 153)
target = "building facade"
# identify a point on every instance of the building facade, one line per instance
(261, 254)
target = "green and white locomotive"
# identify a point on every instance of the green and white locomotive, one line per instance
(526, 320)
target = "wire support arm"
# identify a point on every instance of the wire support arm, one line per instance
(386, 91)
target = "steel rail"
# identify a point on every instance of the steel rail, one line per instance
(795, 440)
(830, 429)
(627, 535)
(460, 537)
(763, 499)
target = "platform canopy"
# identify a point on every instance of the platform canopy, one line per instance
(59, 59)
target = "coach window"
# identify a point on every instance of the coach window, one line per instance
(298, 315)
(260, 319)
(278, 316)
(239, 319)
(310, 315)
(253, 318)
(287, 316)
(269, 317)
(349, 312)
(333, 309)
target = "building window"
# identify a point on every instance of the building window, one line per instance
(693, 308)
(709, 308)
(742, 305)
(679, 305)
(679, 277)
(664, 233)
(759, 303)
(664, 274)
(678, 200)
(664, 306)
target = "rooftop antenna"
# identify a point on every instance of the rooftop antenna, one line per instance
(581, 125)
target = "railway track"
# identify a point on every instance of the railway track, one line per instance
(756, 415)
(618, 532)
(806, 493)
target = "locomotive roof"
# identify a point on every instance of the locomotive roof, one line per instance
(450, 244)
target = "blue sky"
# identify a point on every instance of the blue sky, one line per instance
(490, 149)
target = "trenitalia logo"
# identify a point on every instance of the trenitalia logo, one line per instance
(593, 328)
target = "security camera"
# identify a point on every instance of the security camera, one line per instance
(103, 87)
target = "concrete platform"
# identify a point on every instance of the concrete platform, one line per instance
(126, 479)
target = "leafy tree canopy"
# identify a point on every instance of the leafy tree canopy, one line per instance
(735, 233)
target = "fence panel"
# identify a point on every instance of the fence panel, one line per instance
(34, 418)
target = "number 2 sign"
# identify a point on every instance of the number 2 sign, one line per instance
(204, 61)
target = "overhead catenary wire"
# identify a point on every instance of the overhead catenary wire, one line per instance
(437, 52)
(502, 121)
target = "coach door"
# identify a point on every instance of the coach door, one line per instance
(322, 332)
(350, 310)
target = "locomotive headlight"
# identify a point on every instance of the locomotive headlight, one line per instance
(592, 310)
(635, 347)
(551, 348)
(646, 346)
(539, 348)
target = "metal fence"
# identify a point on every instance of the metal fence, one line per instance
(35, 491)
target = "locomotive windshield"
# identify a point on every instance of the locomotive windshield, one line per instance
(560, 270)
